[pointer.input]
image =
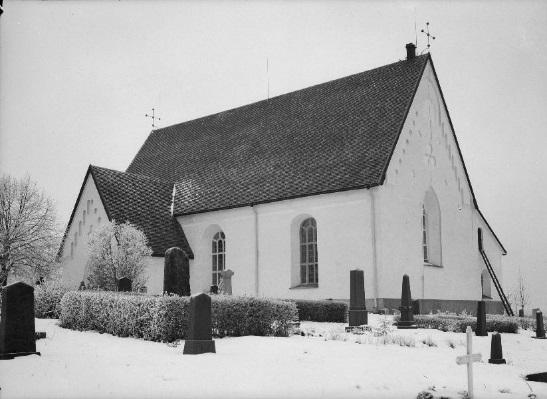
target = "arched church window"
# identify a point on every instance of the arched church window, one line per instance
(308, 252)
(218, 256)
(431, 229)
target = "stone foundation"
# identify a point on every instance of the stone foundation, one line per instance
(426, 306)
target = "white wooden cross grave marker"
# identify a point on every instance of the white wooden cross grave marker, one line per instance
(469, 359)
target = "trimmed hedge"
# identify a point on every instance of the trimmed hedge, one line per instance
(47, 299)
(330, 311)
(458, 323)
(165, 318)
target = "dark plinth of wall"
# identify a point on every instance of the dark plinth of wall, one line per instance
(426, 306)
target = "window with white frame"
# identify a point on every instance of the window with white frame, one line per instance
(424, 234)
(431, 229)
(218, 256)
(309, 273)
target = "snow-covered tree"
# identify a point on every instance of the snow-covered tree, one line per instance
(29, 238)
(117, 251)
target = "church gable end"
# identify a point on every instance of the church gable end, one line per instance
(427, 212)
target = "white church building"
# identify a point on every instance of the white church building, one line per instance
(293, 192)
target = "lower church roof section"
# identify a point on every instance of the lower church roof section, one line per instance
(144, 202)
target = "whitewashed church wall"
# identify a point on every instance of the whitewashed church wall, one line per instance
(75, 251)
(154, 272)
(343, 234)
(426, 157)
(238, 227)
(343, 244)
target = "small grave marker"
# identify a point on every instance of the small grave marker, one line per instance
(199, 332)
(540, 329)
(357, 313)
(17, 334)
(496, 351)
(407, 315)
(469, 359)
(124, 284)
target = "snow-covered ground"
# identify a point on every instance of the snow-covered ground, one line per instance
(329, 364)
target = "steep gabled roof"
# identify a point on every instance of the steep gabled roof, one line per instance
(140, 200)
(330, 137)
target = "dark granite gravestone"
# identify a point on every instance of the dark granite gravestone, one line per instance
(407, 315)
(124, 284)
(17, 321)
(357, 313)
(176, 272)
(521, 312)
(480, 331)
(227, 281)
(82, 286)
(199, 338)
(540, 329)
(496, 351)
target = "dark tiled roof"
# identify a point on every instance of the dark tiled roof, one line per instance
(335, 136)
(144, 202)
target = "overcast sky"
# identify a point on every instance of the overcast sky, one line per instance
(76, 79)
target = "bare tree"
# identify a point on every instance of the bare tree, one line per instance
(28, 235)
(117, 251)
(518, 295)
(522, 292)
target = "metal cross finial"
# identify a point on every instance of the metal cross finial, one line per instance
(428, 35)
(153, 116)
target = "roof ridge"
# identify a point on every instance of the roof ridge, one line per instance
(279, 96)
(133, 174)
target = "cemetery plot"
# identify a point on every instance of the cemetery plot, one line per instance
(328, 363)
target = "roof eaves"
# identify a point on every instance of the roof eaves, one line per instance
(504, 251)
(243, 205)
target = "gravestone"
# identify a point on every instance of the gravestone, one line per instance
(176, 272)
(521, 312)
(480, 331)
(357, 313)
(124, 284)
(82, 286)
(496, 351)
(227, 281)
(540, 329)
(17, 321)
(407, 315)
(199, 338)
